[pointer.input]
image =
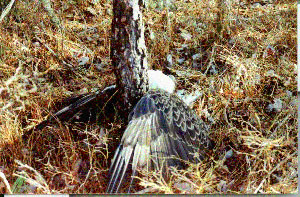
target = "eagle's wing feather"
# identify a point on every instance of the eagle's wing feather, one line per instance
(161, 127)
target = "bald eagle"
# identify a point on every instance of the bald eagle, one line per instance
(162, 129)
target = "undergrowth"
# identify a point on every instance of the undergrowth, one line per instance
(240, 54)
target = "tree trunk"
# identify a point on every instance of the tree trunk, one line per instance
(128, 50)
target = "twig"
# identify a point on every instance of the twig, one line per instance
(6, 10)
(70, 66)
(269, 173)
(260, 185)
(5, 182)
(211, 59)
(282, 162)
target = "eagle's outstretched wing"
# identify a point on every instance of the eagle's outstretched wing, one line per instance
(161, 129)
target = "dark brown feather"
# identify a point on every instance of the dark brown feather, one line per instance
(161, 128)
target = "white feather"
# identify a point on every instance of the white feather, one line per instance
(158, 80)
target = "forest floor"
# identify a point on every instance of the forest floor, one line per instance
(241, 55)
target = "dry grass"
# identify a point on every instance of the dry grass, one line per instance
(252, 48)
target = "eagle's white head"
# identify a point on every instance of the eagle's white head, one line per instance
(158, 80)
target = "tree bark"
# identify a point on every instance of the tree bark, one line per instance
(128, 50)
